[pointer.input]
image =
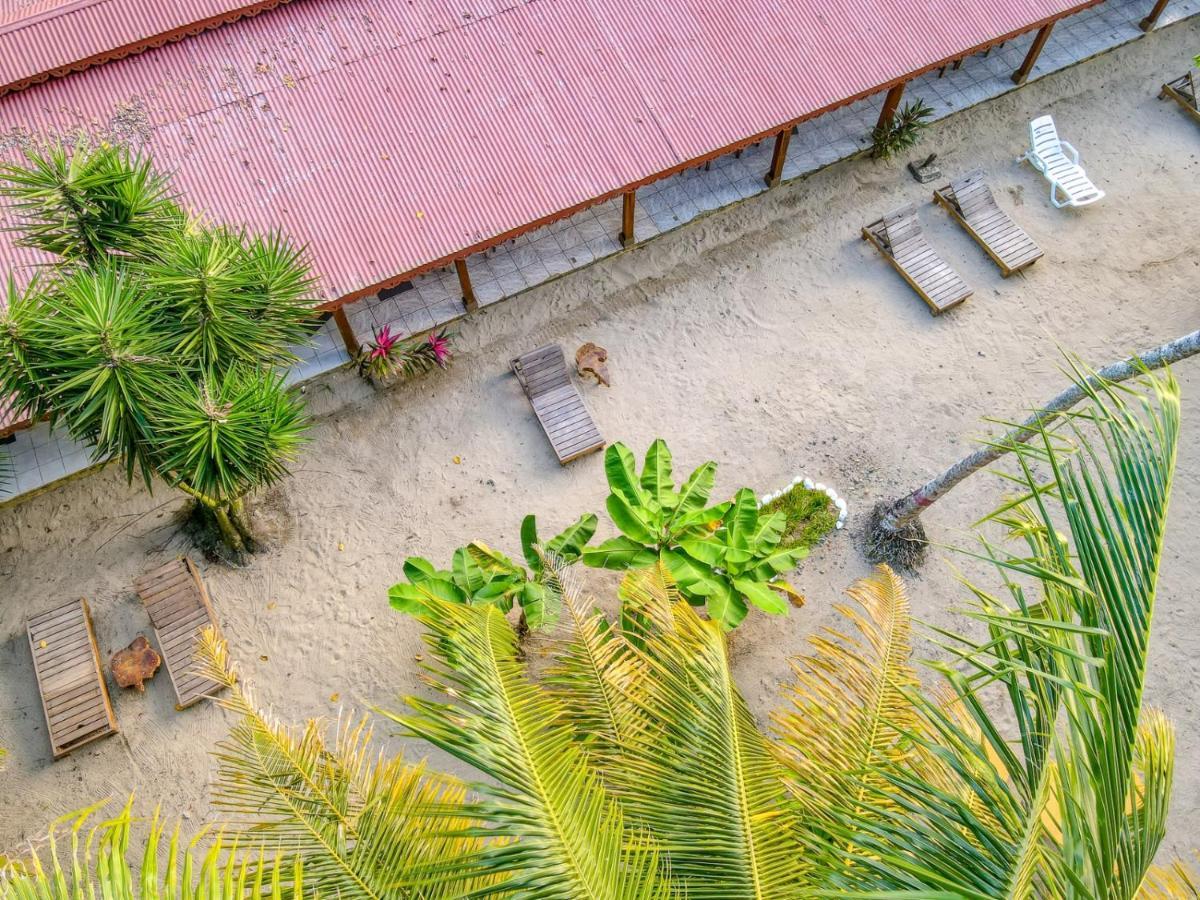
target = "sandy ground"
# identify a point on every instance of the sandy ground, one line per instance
(767, 336)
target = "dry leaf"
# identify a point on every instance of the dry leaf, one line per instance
(458, 460)
(263, 657)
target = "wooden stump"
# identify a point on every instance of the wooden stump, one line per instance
(136, 664)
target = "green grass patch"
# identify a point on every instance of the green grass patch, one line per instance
(810, 516)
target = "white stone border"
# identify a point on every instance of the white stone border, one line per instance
(810, 485)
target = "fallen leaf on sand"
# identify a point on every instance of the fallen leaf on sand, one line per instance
(458, 460)
(263, 657)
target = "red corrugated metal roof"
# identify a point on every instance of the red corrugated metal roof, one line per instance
(390, 136)
(40, 38)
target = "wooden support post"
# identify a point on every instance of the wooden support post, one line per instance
(890, 102)
(1151, 20)
(464, 279)
(349, 338)
(778, 157)
(626, 237)
(1035, 50)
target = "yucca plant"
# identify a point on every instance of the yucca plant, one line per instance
(634, 768)
(87, 203)
(153, 337)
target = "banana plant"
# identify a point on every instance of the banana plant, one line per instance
(481, 576)
(726, 557)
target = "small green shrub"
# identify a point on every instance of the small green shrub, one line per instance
(809, 515)
(902, 132)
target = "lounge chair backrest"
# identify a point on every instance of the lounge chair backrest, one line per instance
(901, 225)
(1043, 137)
(971, 192)
(542, 370)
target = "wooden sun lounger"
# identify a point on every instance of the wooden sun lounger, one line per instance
(1182, 91)
(177, 603)
(70, 678)
(969, 200)
(557, 403)
(899, 238)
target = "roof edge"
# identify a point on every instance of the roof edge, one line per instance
(142, 45)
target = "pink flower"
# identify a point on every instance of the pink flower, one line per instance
(439, 344)
(384, 341)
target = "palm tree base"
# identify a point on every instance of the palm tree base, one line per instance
(901, 547)
(221, 535)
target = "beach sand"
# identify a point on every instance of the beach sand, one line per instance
(767, 336)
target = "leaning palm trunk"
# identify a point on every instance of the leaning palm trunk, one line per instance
(895, 535)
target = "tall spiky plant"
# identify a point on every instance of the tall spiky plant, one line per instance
(153, 337)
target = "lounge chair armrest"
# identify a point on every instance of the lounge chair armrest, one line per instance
(1074, 153)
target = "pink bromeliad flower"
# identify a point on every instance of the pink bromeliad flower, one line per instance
(439, 343)
(384, 342)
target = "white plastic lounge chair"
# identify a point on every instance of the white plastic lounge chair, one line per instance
(1066, 176)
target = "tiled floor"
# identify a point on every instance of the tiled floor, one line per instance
(40, 456)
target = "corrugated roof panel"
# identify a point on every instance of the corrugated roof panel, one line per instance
(53, 36)
(389, 136)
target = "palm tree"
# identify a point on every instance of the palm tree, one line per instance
(155, 336)
(895, 534)
(634, 768)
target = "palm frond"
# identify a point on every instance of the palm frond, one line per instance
(701, 777)
(1076, 805)
(569, 838)
(594, 673)
(850, 707)
(99, 862)
(1174, 882)
(361, 825)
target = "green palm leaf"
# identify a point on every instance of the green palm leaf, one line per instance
(1076, 806)
(850, 705)
(700, 776)
(360, 825)
(572, 840)
(99, 862)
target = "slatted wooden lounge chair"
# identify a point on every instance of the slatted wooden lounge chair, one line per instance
(70, 678)
(1048, 154)
(899, 238)
(557, 403)
(969, 200)
(1183, 91)
(177, 603)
